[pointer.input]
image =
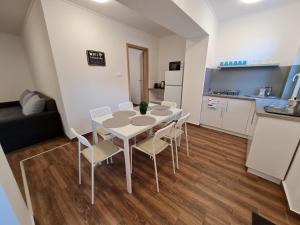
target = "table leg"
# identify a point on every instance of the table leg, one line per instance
(127, 165)
(95, 135)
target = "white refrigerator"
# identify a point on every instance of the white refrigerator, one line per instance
(173, 86)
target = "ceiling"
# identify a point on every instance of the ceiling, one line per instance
(119, 12)
(12, 13)
(228, 9)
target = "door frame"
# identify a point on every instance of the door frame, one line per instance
(145, 71)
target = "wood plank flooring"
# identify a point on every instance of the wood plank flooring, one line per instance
(211, 186)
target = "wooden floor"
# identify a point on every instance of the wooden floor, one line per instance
(211, 187)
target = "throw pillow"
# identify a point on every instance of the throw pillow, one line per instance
(26, 98)
(24, 93)
(34, 105)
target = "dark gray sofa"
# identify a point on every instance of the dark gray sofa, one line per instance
(18, 130)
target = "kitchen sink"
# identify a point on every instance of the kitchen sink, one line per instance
(280, 109)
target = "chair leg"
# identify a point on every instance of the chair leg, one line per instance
(179, 140)
(111, 160)
(93, 194)
(187, 143)
(172, 152)
(79, 167)
(131, 149)
(176, 152)
(156, 176)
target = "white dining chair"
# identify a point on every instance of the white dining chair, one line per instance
(170, 104)
(99, 112)
(154, 145)
(176, 133)
(126, 106)
(94, 154)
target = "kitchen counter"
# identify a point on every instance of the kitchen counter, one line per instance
(260, 104)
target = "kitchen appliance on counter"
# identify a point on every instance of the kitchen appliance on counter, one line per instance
(265, 92)
(173, 86)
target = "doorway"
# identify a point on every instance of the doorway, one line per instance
(137, 62)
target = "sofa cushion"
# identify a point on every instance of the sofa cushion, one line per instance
(34, 105)
(26, 98)
(11, 113)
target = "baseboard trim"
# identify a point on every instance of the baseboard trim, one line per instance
(224, 131)
(264, 176)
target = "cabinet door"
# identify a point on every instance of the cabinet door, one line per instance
(236, 115)
(212, 116)
(251, 121)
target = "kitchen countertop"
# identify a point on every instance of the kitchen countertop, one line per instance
(242, 97)
(260, 104)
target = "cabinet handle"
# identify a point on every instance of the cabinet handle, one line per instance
(227, 107)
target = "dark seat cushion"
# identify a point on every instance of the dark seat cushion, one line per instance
(11, 113)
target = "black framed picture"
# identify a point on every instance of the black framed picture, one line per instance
(95, 58)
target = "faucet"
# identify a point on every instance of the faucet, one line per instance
(297, 87)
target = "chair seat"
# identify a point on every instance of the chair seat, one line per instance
(146, 146)
(102, 151)
(103, 132)
(175, 133)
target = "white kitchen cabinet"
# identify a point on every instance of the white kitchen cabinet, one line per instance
(251, 121)
(212, 115)
(230, 115)
(272, 148)
(291, 184)
(236, 115)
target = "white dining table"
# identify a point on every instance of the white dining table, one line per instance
(130, 131)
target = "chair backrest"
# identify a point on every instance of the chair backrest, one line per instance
(82, 140)
(182, 120)
(126, 106)
(163, 132)
(101, 111)
(170, 104)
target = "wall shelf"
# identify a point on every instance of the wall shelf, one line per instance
(249, 66)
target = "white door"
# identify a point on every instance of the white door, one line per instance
(174, 77)
(236, 115)
(173, 94)
(135, 72)
(211, 113)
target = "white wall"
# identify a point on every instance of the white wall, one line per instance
(72, 30)
(38, 49)
(15, 74)
(202, 13)
(171, 48)
(135, 69)
(193, 83)
(272, 34)
(18, 213)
